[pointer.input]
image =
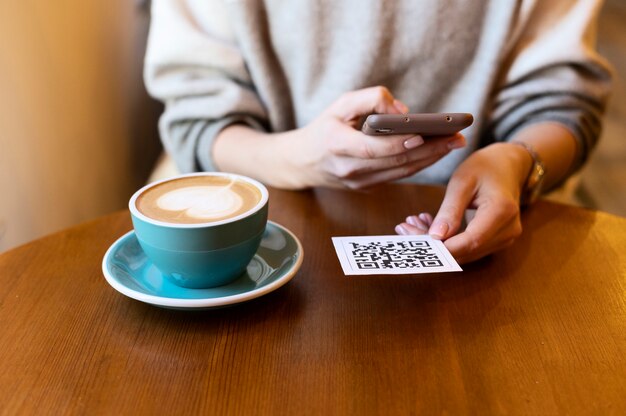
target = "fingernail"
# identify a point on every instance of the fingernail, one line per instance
(456, 143)
(413, 142)
(427, 218)
(414, 221)
(400, 106)
(438, 230)
(401, 230)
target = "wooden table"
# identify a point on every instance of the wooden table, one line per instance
(537, 329)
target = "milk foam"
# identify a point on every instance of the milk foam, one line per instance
(202, 202)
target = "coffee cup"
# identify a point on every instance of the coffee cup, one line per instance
(200, 230)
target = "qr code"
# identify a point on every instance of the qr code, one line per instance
(394, 255)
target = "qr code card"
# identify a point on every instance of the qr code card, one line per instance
(393, 254)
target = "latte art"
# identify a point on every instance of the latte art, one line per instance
(198, 199)
(206, 203)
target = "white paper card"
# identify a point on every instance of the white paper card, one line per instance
(393, 254)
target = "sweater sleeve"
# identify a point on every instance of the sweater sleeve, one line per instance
(193, 65)
(554, 74)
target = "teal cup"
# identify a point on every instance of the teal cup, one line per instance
(205, 254)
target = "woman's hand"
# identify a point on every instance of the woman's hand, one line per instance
(331, 151)
(489, 181)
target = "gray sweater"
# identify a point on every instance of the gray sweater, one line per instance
(276, 64)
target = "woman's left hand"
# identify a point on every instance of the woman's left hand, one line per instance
(489, 181)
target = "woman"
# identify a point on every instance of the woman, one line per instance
(275, 89)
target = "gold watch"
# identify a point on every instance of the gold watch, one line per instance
(534, 182)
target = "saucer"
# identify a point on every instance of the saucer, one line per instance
(130, 272)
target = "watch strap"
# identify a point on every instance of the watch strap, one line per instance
(534, 181)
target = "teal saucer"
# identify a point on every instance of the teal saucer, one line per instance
(130, 272)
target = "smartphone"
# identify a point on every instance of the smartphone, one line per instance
(424, 124)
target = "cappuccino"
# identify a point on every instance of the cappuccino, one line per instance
(198, 199)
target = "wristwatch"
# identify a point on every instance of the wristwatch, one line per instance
(534, 182)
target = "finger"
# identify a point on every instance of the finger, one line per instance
(389, 168)
(353, 143)
(426, 217)
(459, 195)
(388, 175)
(400, 106)
(471, 256)
(408, 229)
(495, 226)
(417, 222)
(406, 161)
(354, 104)
(362, 177)
(424, 220)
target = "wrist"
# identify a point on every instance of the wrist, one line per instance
(533, 184)
(555, 144)
(289, 171)
(515, 162)
(267, 157)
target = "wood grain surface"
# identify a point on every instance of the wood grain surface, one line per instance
(537, 329)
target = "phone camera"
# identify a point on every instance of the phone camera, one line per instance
(406, 119)
(448, 119)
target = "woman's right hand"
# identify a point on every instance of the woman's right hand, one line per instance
(331, 151)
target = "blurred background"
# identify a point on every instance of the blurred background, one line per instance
(78, 132)
(77, 129)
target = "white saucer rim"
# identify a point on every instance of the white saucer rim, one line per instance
(203, 302)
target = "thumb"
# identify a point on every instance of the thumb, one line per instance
(459, 195)
(354, 104)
